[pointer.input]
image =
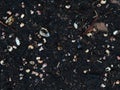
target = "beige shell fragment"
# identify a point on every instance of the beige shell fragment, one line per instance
(101, 27)
(115, 2)
(10, 20)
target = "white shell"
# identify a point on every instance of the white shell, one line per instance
(17, 41)
(44, 32)
(115, 32)
(75, 26)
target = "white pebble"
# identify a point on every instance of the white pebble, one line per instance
(105, 35)
(75, 25)
(22, 25)
(31, 12)
(27, 70)
(89, 34)
(17, 41)
(37, 58)
(22, 16)
(41, 48)
(115, 32)
(108, 52)
(30, 47)
(108, 69)
(67, 6)
(9, 12)
(87, 50)
(35, 73)
(103, 85)
(44, 65)
(2, 62)
(32, 62)
(103, 1)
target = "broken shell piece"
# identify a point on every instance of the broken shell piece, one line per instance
(17, 41)
(10, 20)
(10, 48)
(101, 27)
(44, 32)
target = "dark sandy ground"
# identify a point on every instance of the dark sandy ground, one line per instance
(60, 44)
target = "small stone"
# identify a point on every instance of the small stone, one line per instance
(107, 51)
(31, 12)
(9, 12)
(89, 34)
(75, 25)
(40, 75)
(115, 32)
(85, 71)
(44, 65)
(32, 62)
(103, 1)
(40, 61)
(30, 47)
(22, 16)
(44, 32)
(22, 25)
(117, 82)
(14, 47)
(44, 40)
(41, 48)
(67, 6)
(105, 35)
(10, 48)
(23, 5)
(87, 50)
(35, 73)
(38, 58)
(118, 57)
(107, 69)
(17, 41)
(27, 70)
(2, 62)
(103, 85)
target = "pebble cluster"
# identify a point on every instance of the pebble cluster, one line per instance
(42, 45)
